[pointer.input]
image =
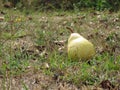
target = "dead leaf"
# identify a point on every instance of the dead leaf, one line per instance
(106, 84)
(1, 18)
(60, 43)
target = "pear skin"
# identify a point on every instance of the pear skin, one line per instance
(79, 47)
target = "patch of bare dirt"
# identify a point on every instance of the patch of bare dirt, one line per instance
(39, 81)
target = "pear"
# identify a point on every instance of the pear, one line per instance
(79, 47)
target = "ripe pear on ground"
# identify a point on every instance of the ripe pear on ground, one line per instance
(79, 47)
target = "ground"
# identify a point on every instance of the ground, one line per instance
(33, 50)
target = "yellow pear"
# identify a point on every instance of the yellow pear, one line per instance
(79, 47)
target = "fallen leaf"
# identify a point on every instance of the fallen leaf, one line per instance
(106, 84)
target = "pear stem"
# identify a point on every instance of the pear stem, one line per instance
(70, 29)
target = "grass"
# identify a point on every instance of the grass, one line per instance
(27, 44)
